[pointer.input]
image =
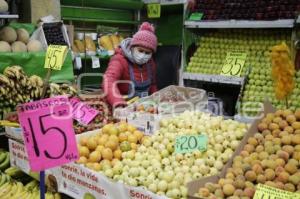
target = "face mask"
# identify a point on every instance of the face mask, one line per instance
(139, 57)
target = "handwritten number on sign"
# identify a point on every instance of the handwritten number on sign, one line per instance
(45, 131)
(234, 64)
(183, 143)
(52, 56)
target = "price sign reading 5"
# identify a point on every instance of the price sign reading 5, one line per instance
(153, 10)
(234, 63)
(48, 133)
(55, 57)
(190, 143)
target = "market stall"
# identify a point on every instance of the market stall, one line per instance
(223, 124)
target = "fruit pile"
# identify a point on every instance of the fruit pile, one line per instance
(12, 40)
(104, 117)
(13, 180)
(105, 149)
(17, 88)
(260, 87)
(251, 10)
(270, 157)
(10, 189)
(53, 33)
(4, 160)
(155, 165)
(213, 47)
(110, 42)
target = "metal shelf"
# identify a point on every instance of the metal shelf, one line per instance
(282, 23)
(100, 20)
(214, 78)
(165, 2)
(7, 16)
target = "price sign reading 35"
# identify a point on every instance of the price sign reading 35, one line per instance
(48, 133)
(234, 64)
(55, 57)
(190, 143)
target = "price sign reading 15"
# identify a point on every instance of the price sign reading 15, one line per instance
(190, 143)
(82, 112)
(55, 57)
(234, 63)
(48, 132)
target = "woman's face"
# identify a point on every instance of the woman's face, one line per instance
(140, 49)
(141, 55)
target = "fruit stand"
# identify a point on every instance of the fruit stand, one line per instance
(227, 127)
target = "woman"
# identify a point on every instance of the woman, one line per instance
(131, 71)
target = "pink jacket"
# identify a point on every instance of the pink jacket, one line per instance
(118, 69)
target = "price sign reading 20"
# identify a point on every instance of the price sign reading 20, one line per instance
(48, 133)
(190, 143)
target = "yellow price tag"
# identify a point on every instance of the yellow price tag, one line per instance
(8, 123)
(267, 192)
(153, 10)
(234, 63)
(55, 57)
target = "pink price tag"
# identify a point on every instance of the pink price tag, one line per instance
(82, 112)
(48, 132)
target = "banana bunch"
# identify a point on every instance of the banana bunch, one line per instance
(36, 86)
(14, 172)
(4, 160)
(16, 190)
(283, 71)
(17, 88)
(63, 89)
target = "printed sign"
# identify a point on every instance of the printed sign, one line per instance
(196, 16)
(190, 143)
(48, 132)
(55, 57)
(153, 10)
(267, 192)
(234, 63)
(95, 62)
(82, 112)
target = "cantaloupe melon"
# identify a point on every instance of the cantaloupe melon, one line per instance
(8, 34)
(18, 46)
(34, 46)
(4, 46)
(23, 35)
(3, 6)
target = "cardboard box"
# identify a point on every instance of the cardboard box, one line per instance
(77, 180)
(39, 35)
(14, 133)
(194, 186)
(189, 99)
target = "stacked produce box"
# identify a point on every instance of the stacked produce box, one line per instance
(269, 155)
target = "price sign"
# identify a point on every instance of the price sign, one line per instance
(267, 192)
(55, 57)
(95, 62)
(82, 112)
(234, 63)
(48, 132)
(190, 143)
(153, 10)
(196, 16)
